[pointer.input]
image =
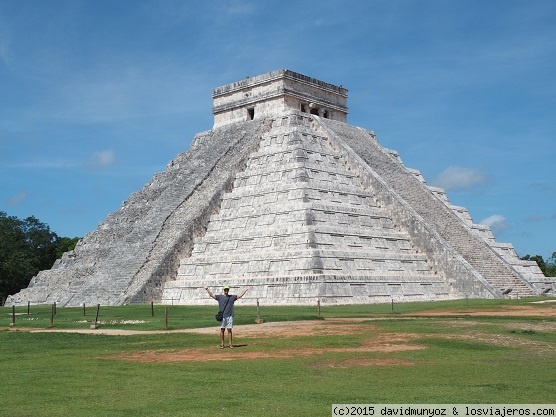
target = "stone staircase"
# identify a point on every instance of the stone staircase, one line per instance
(297, 214)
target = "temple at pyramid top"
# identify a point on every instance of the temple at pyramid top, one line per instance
(275, 92)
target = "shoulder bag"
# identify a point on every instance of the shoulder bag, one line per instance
(220, 315)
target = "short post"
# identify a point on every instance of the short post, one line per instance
(166, 318)
(84, 311)
(13, 314)
(54, 308)
(52, 314)
(152, 309)
(392, 305)
(466, 300)
(318, 304)
(94, 325)
(259, 320)
(28, 307)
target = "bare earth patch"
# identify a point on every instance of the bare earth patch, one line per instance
(240, 352)
(381, 342)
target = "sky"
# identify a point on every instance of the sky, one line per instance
(97, 96)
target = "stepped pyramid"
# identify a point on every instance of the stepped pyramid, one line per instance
(285, 196)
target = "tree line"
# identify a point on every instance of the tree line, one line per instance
(29, 246)
(26, 247)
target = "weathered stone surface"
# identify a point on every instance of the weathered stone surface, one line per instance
(274, 93)
(300, 206)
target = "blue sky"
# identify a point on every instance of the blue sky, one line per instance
(98, 96)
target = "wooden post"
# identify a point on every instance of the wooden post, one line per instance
(13, 314)
(259, 320)
(152, 309)
(94, 325)
(28, 307)
(52, 314)
(54, 308)
(166, 318)
(84, 311)
(392, 305)
(318, 303)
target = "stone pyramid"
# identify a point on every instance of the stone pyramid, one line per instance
(283, 195)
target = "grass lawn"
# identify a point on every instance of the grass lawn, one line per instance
(438, 352)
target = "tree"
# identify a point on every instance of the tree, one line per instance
(26, 247)
(65, 244)
(551, 266)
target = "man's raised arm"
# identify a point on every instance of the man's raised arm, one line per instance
(243, 293)
(210, 292)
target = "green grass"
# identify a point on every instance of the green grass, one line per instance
(64, 374)
(140, 317)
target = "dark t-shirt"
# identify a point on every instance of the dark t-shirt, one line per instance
(221, 298)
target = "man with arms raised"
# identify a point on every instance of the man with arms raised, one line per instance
(226, 305)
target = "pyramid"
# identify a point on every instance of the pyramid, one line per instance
(284, 196)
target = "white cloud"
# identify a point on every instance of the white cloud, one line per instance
(496, 222)
(101, 159)
(457, 179)
(17, 199)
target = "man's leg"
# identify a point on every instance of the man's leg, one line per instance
(230, 338)
(222, 337)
